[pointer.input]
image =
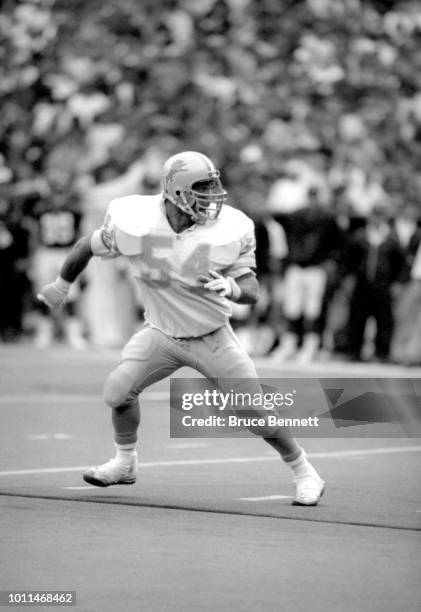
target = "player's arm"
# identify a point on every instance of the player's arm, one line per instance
(238, 282)
(249, 287)
(243, 289)
(55, 293)
(77, 260)
(101, 243)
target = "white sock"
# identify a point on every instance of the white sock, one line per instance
(126, 452)
(301, 466)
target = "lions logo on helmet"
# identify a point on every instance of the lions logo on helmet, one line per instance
(178, 166)
(191, 182)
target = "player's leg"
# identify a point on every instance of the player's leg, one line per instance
(315, 280)
(147, 358)
(383, 314)
(293, 304)
(221, 356)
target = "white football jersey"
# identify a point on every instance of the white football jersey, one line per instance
(167, 265)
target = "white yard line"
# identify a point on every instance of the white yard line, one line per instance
(225, 460)
(265, 498)
(56, 398)
(82, 488)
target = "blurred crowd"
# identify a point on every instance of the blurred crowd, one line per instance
(311, 108)
(335, 283)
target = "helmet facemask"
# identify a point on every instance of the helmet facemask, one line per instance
(203, 202)
(209, 196)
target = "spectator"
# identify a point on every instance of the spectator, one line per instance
(58, 225)
(376, 259)
(408, 231)
(409, 338)
(405, 343)
(313, 239)
(14, 284)
(335, 311)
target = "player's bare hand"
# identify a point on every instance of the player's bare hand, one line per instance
(54, 294)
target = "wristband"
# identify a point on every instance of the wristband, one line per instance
(235, 289)
(62, 285)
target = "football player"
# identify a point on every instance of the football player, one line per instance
(191, 254)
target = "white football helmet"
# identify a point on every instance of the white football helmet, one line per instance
(191, 182)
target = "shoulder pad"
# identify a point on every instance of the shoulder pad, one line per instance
(133, 217)
(231, 226)
(235, 221)
(135, 214)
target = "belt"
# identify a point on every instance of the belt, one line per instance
(185, 338)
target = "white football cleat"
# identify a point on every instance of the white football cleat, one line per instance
(114, 472)
(309, 489)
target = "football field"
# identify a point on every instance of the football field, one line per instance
(209, 525)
